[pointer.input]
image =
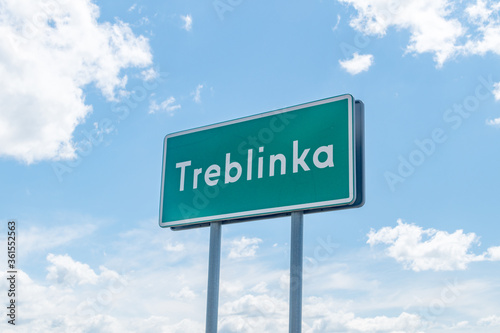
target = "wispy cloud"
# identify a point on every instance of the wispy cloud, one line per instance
(167, 105)
(188, 22)
(41, 239)
(494, 122)
(358, 63)
(336, 24)
(197, 93)
(490, 321)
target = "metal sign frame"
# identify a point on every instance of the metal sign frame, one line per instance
(356, 193)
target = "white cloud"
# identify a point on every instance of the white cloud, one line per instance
(149, 74)
(429, 22)
(177, 247)
(64, 270)
(184, 294)
(188, 22)
(244, 247)
(171, 296)
(486, 28)
(67, 272)
(231, 288)
(439, 251)
(461, 324)
(167, 105)
(494, 122)
(336, 24)
(490, 321)
(405, 322)
(250, 313)
(440, 27)
(358, 63)
(265, 313)
(496, 91)
(493, 253)
(75, 297)
(478, 12)
(197, 93)
(50, 51)
(444, 28)
(260, 288)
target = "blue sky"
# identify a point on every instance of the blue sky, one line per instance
(88, 91)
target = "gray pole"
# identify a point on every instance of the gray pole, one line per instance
(296, 255)
(213, 278)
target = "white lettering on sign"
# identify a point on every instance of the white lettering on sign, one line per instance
(183, 166)
(233, 170)
(299, 160)
(231, 165)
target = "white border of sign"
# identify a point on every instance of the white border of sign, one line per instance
(260, 213)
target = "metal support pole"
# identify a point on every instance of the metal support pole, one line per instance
(213, 277)
(296, 255)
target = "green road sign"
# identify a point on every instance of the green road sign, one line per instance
(307, 157)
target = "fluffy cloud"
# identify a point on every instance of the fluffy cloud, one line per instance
(430, 249)
(485, 25)
(64, 270)
(358, 63)
(250, 313)
(405, 322)
(478, 12)
(493, 253)
(431, 28)
(440, 27)
(76, 298)
(244, 247)
(67, 272)
(50, 51)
